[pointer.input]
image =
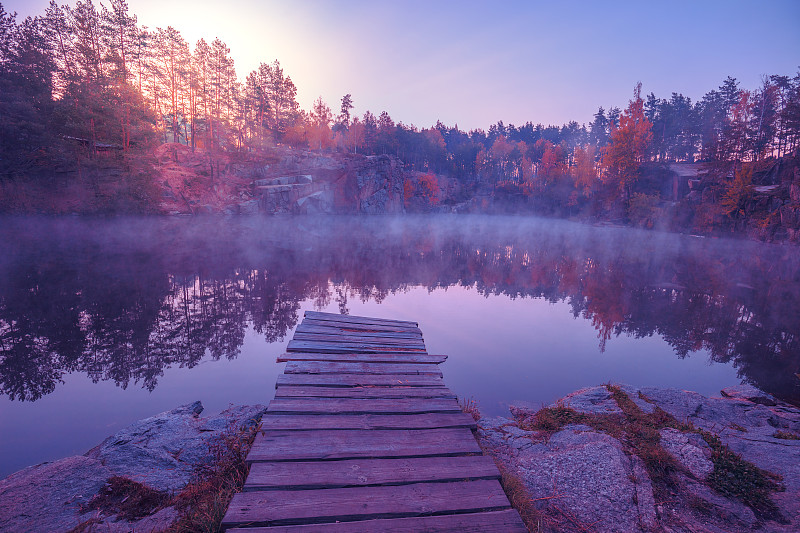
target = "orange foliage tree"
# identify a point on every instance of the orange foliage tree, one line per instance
(319, 126)
(584, 172)
(627, 147)
(422, 192)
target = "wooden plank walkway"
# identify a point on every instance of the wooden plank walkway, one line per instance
(363, 436)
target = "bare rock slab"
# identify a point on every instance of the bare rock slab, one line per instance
(161, 452)
(49, 496)
(587, 472)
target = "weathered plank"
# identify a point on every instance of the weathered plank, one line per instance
(362, 357)
(358, 406)
(277, 507)
(382, 421)
(363, 392)
(353, 326)
(364, 472)
(354, 338)
(333, 329)
(360, 380)
(324, 367)
(507, 521)
(349, 347)
(318, 315)
(352, 444)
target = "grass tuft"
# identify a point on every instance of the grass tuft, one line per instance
(787, 435)
(470, 406)
(128, 499)
(203, 502)
(550, 419)
(736, 478)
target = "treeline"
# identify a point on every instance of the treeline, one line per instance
(77, 81)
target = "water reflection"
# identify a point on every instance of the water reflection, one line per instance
(124, 299)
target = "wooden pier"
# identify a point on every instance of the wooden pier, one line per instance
(363, 436)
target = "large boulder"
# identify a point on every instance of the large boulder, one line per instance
(161, 452)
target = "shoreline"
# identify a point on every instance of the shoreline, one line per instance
(604, 458)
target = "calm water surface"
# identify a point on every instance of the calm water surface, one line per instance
(105, 321)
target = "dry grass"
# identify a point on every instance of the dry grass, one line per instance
(787, 435)
(549, 419)
(128, 499)
(203, 502)
(639, 432)
(470, 406)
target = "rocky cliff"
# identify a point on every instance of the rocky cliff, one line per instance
(281, 181)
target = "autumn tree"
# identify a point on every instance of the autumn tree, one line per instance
(627, 146)
(739, 194)
(421, 192)
(584, 172)
(319, 127)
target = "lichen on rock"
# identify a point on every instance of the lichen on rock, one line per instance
(621, 458)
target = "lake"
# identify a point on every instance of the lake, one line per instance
(106, 321)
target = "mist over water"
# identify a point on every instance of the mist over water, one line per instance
(104, 321)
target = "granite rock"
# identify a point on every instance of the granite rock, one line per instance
(598, 479)
(161, 452)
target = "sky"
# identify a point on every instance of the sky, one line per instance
(473, 63)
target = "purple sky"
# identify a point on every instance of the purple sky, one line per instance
(474, 63)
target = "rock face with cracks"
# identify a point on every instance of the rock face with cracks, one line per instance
(161, 452)
(589, 475)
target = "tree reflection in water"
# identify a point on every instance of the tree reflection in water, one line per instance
(124, 299)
